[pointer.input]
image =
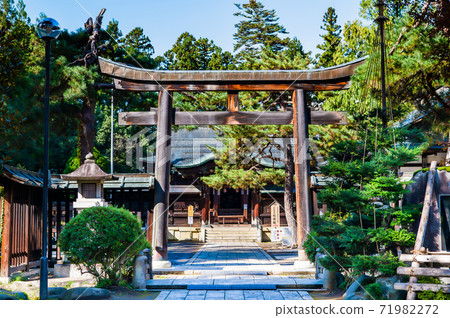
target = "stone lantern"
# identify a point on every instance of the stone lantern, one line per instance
(90, 178)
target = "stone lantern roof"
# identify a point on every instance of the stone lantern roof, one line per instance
(88, 171)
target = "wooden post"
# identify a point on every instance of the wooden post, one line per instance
(149, 225)
(207, 203)
(6, 237)
(315, 203)
(257, 203)
(28, 229)
(58, 225)
(67, 206)
(50, 227)
(204, 199)
(216, 204)
(162, 177)
(245, 204)
(233, 101)
(411, 295)
(302, 181)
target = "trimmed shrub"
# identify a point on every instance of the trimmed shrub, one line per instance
(108, 236)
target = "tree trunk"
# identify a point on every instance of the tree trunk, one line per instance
(289, 191)
(87, 132)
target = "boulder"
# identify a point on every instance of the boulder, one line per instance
(7, 297)
(85, 293)
(387, 286)
(357, 296)
(356, 286)
(54, 292)
(10, 295)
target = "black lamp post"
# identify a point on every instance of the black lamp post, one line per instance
(48, 29)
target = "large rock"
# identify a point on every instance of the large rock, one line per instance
(10, 295)
(357, 296)
(7, 297)
(356, 286)
(85, 293)
(55, 292)
(387, 286)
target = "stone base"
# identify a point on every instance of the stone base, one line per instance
(62, 270)
(185, 233)
(5, 280)
(161, 264)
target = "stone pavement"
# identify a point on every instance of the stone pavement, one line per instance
(230, 270)
(226, 254)
(230, 257)
(234, 295)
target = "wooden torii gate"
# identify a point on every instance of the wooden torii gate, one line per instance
(166, 82)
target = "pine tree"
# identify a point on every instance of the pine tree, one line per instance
(332, 38)
(257, 29)
(189, 53)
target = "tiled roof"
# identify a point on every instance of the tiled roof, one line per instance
(190, 148)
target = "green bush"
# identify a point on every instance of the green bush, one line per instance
(429, 295)
(108, 236)
(386, 264)
(375, 290)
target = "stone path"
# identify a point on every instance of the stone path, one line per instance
(230, 270)
(230, 254)
(234, 295)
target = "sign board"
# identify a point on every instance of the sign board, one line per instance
(190, 220)
(286, 236)
(191, 211)
(275, 215)
(245, 206)
(275, 234)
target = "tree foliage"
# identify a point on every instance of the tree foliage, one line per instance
(332, 38)
(258, 28)
(107, 236)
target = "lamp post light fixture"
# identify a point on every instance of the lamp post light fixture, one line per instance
(47, 29)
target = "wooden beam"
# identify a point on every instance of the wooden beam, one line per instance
(233, 101)
(422, 287)
(441, 259)
(232, 118)
(125, 85)
(424, 271)
(325, 75)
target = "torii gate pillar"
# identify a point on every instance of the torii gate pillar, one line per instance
(160, 237)
(302, 172)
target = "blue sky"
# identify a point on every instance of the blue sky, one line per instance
(163, 21)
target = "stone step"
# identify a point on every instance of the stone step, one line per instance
(217, 239)
(231, 228)
(231, 232)
(231, 236)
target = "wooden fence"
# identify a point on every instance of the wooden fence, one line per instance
(22, 221)
(22, 225)
(421, 256)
